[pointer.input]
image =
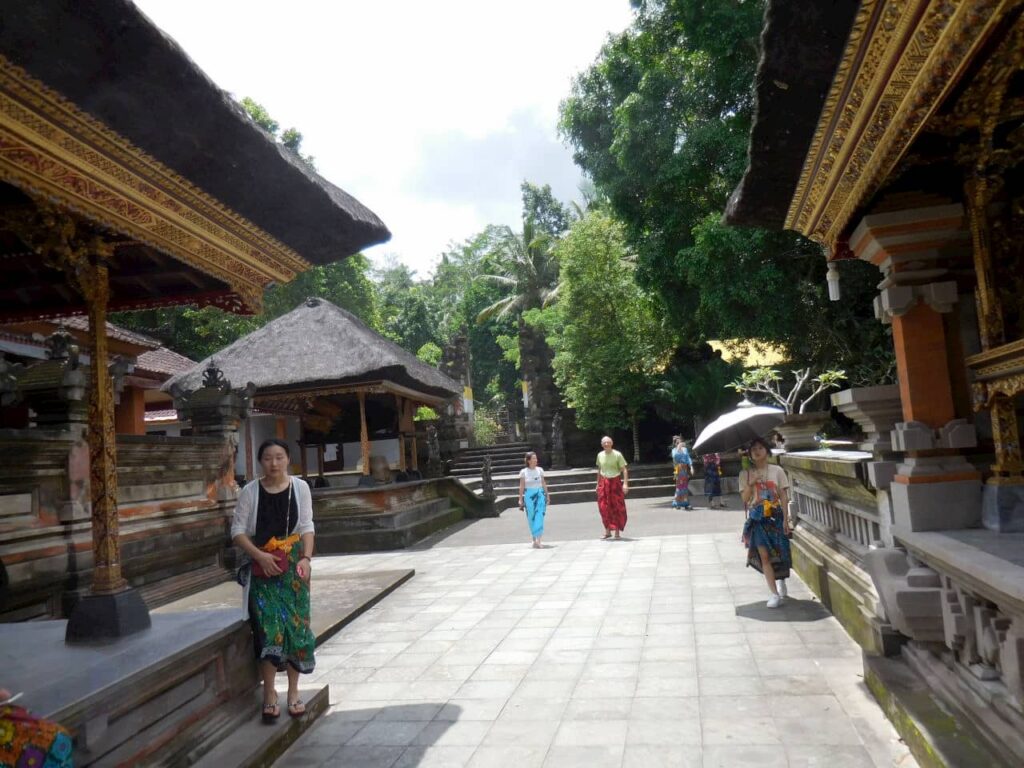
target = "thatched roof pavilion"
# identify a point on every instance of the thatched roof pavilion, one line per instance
(318, 360)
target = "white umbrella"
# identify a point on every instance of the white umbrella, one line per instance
(737, 428)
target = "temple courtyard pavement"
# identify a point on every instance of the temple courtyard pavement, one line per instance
(657, 650)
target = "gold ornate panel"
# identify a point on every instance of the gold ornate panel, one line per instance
(903, 57)
(49, 147)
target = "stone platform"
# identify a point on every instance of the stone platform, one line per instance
(171, 694)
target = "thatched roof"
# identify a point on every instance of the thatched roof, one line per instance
(318, 344)
(801, 45)
(115, 64)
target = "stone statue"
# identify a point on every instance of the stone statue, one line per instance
(434, 466)
(487, 478)
(557, 443)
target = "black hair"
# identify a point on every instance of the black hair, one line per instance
(272, 441)
(526, 458)
(759, 441)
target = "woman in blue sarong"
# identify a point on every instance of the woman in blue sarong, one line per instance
(682, 469)
(764, 489)
(533, 497)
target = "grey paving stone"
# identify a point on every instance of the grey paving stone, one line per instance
(603, 756)
(585, 733)
(387, 733)
(811, 756)
(736, 755)
(657, 756)
(435, 757)
(508, 756)
(362, 757)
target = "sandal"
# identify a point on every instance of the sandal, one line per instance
(606, 536)
(271, 711)
(296, 708)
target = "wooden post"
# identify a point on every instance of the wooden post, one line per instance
(320, 460)
(415, 458)
(400, 405)
(249, 469)
(364, 435)
(106, 548)
(302, 460)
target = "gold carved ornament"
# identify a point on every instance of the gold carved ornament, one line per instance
(902, 58)
(50, 148)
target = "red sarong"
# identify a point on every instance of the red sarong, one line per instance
(611, 501)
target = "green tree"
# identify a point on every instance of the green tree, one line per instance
(660, 123)
(547, 214)
(610, 341)
(289, 137)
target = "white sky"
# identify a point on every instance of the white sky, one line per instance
(430, 113)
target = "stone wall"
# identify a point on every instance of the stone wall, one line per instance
(173, 514)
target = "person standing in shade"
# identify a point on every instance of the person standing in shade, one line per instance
(713, 480)
(764, 488)
(612, 487)
(533, 496)
(682, 467)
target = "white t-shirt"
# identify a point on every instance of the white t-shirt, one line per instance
(534, 477)
(772, 480)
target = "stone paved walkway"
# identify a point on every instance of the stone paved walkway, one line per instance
(657, 651)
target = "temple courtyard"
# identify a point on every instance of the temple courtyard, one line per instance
(657, 650)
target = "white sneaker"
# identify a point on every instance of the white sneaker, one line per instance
(780, 584)
(774, 601)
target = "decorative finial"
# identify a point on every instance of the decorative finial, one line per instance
(213, 376)
(60, 345)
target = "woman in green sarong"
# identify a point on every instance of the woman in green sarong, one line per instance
(273, 525)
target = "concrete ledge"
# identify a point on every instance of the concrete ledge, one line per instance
(937, 736)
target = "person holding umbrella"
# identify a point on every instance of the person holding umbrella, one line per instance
(612, 487)
(764, 489)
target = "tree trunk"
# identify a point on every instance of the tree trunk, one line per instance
(636, 437)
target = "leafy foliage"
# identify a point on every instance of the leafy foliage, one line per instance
(769, 381)
(660, 122)
(609, 339)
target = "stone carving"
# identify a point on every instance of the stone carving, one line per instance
(214, 376)
(487, 478)
(434, 466)
(557, 443)
(910, 594)
(9, 372)
(60, 345)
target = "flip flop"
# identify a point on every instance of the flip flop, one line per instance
(297, 708)
(271, 712)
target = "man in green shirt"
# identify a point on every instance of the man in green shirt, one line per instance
(612, 487)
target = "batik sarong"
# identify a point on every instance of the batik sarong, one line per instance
(611, 502)
(712, 476)
(682, 497)
(26, 740)
(536, 506)
(279, 608)
(761, 530)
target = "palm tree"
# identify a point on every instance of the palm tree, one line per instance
(530, 278)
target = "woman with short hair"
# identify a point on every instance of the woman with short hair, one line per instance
(273, 525)
(764, 489)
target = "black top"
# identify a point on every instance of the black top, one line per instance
(273, 518)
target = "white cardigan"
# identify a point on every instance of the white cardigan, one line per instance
(244, 519)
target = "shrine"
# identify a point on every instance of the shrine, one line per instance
(893, 133)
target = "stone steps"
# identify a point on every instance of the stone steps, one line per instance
(385, 530)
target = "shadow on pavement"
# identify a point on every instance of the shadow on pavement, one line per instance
(790, 610)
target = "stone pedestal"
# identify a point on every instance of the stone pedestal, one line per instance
(216, 410)
(106, 617)
(800, 429)
(875, 410)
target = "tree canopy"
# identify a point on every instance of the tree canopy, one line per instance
(660, 122)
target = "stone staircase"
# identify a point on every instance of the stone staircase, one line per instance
(505, 458)
(570, 486)
(377, 531)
